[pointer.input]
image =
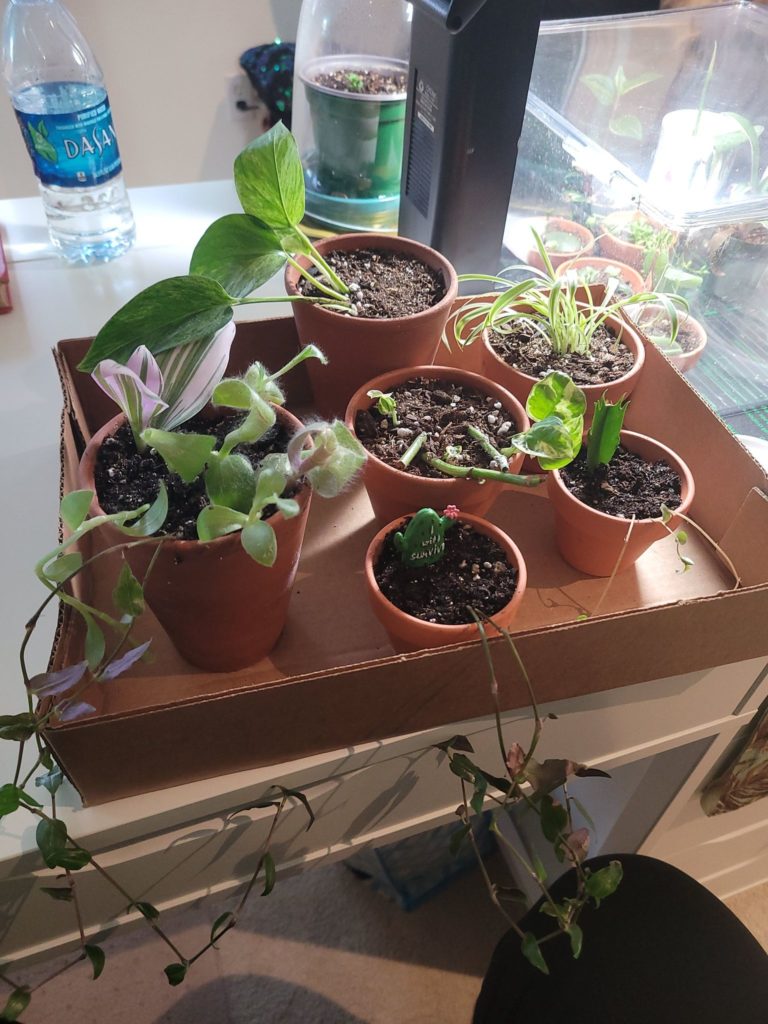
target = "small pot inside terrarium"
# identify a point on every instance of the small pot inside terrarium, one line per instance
(349, 109)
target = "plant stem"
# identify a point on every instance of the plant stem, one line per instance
(413, 449)
(319, 262)
(714, 544)
(488, 447)
(476, 473)
(316, 282)
(612, 577)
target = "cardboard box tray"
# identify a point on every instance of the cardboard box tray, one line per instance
(334, 681)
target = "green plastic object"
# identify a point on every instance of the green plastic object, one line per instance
(423, 541)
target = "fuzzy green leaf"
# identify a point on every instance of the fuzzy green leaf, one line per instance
(216, 521)
(231, 482)
(152, 519)
(170, 313)
(185, 454)
(63, 567)
(74, 508)
(232, 392)
(255, 425)
(260, 543)
(239, 252)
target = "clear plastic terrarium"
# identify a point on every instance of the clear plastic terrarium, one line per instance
(349, 93)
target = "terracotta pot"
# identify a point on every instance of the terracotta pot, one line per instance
(557, 258)
(613, 247)
(359, 348)
(520, 384)
(406, 632)
(627, 274)
(395, 492)
(591, 541)
(684, 361)
(221, 609)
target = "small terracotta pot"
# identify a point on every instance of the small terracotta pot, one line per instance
(222, 610)
(612, 247)
(685, 360)
(520, 384)
(359, 348)
(406, 632)
(591, 541)
(395, 492)
(556, 258)
(627, 274)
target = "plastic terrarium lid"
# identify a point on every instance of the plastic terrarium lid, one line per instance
(668, 110)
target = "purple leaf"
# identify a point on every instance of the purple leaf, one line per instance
(116, 668)
(49, 683)
(75, 710)
(190, 374)
(135, 387)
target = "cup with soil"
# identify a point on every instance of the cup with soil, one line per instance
(442, 403)
(591, 271)
(563, 240)
(739, 263)
(357, 108)
(222, 610)
(690, 341)
(424, 606)
(593, 510)
(403, 292)
(519, 356)
(628, 236)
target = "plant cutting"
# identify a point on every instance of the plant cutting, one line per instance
(609, 91)
(683, 347)
(539, 325)
(361, 328)
(563, 240)
(609, 501)
(630, 237)
(424, 571)
(438, 436)
(239, 478)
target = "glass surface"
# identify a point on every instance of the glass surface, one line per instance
(649, 131)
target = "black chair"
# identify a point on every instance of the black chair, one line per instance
(661, 950)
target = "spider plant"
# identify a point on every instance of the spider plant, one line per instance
(554, 307)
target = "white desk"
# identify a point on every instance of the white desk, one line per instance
(371, 793)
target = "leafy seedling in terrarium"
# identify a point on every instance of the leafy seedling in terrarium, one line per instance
(609, 92)
(423, 540)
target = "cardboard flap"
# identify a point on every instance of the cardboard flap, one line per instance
(745, 540)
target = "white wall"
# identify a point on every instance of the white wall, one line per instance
(165, 64)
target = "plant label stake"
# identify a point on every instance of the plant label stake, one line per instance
(423, 542)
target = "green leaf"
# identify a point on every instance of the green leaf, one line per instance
(74, 508)
(604, 882)
(17, 1003)
(269, 179)
(576, 936)
(27, 800)
(147, 910)
(9, 799)
(532, 952)
(478, 796)
(58, 892)
(552, 441)
(260, 543)
(17, 727)
(556, 395)
(457, 838)
(216, 521)
(51, 837)
(230, 481)
(602, 88)
(627, 126)
(51, 780)
(63, 567)
(95, 644)
(175, 973)
(331, 477)
(270, 873)
(73, 860)
(185, 454)
(218, 924)
(605, 433)
(302, 798)
(233, 393)
(128, 595)
(96, 955)
(152, 519)
(539, 870)
(170, 313)
(463, 767)
(639, 80)
(554, 819)
(239, 252)
(255, 425)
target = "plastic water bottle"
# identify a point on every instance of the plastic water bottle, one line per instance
(57, 90)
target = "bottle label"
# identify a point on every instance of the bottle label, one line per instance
(75, 150)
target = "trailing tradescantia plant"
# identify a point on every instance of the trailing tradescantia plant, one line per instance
(235, 256)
